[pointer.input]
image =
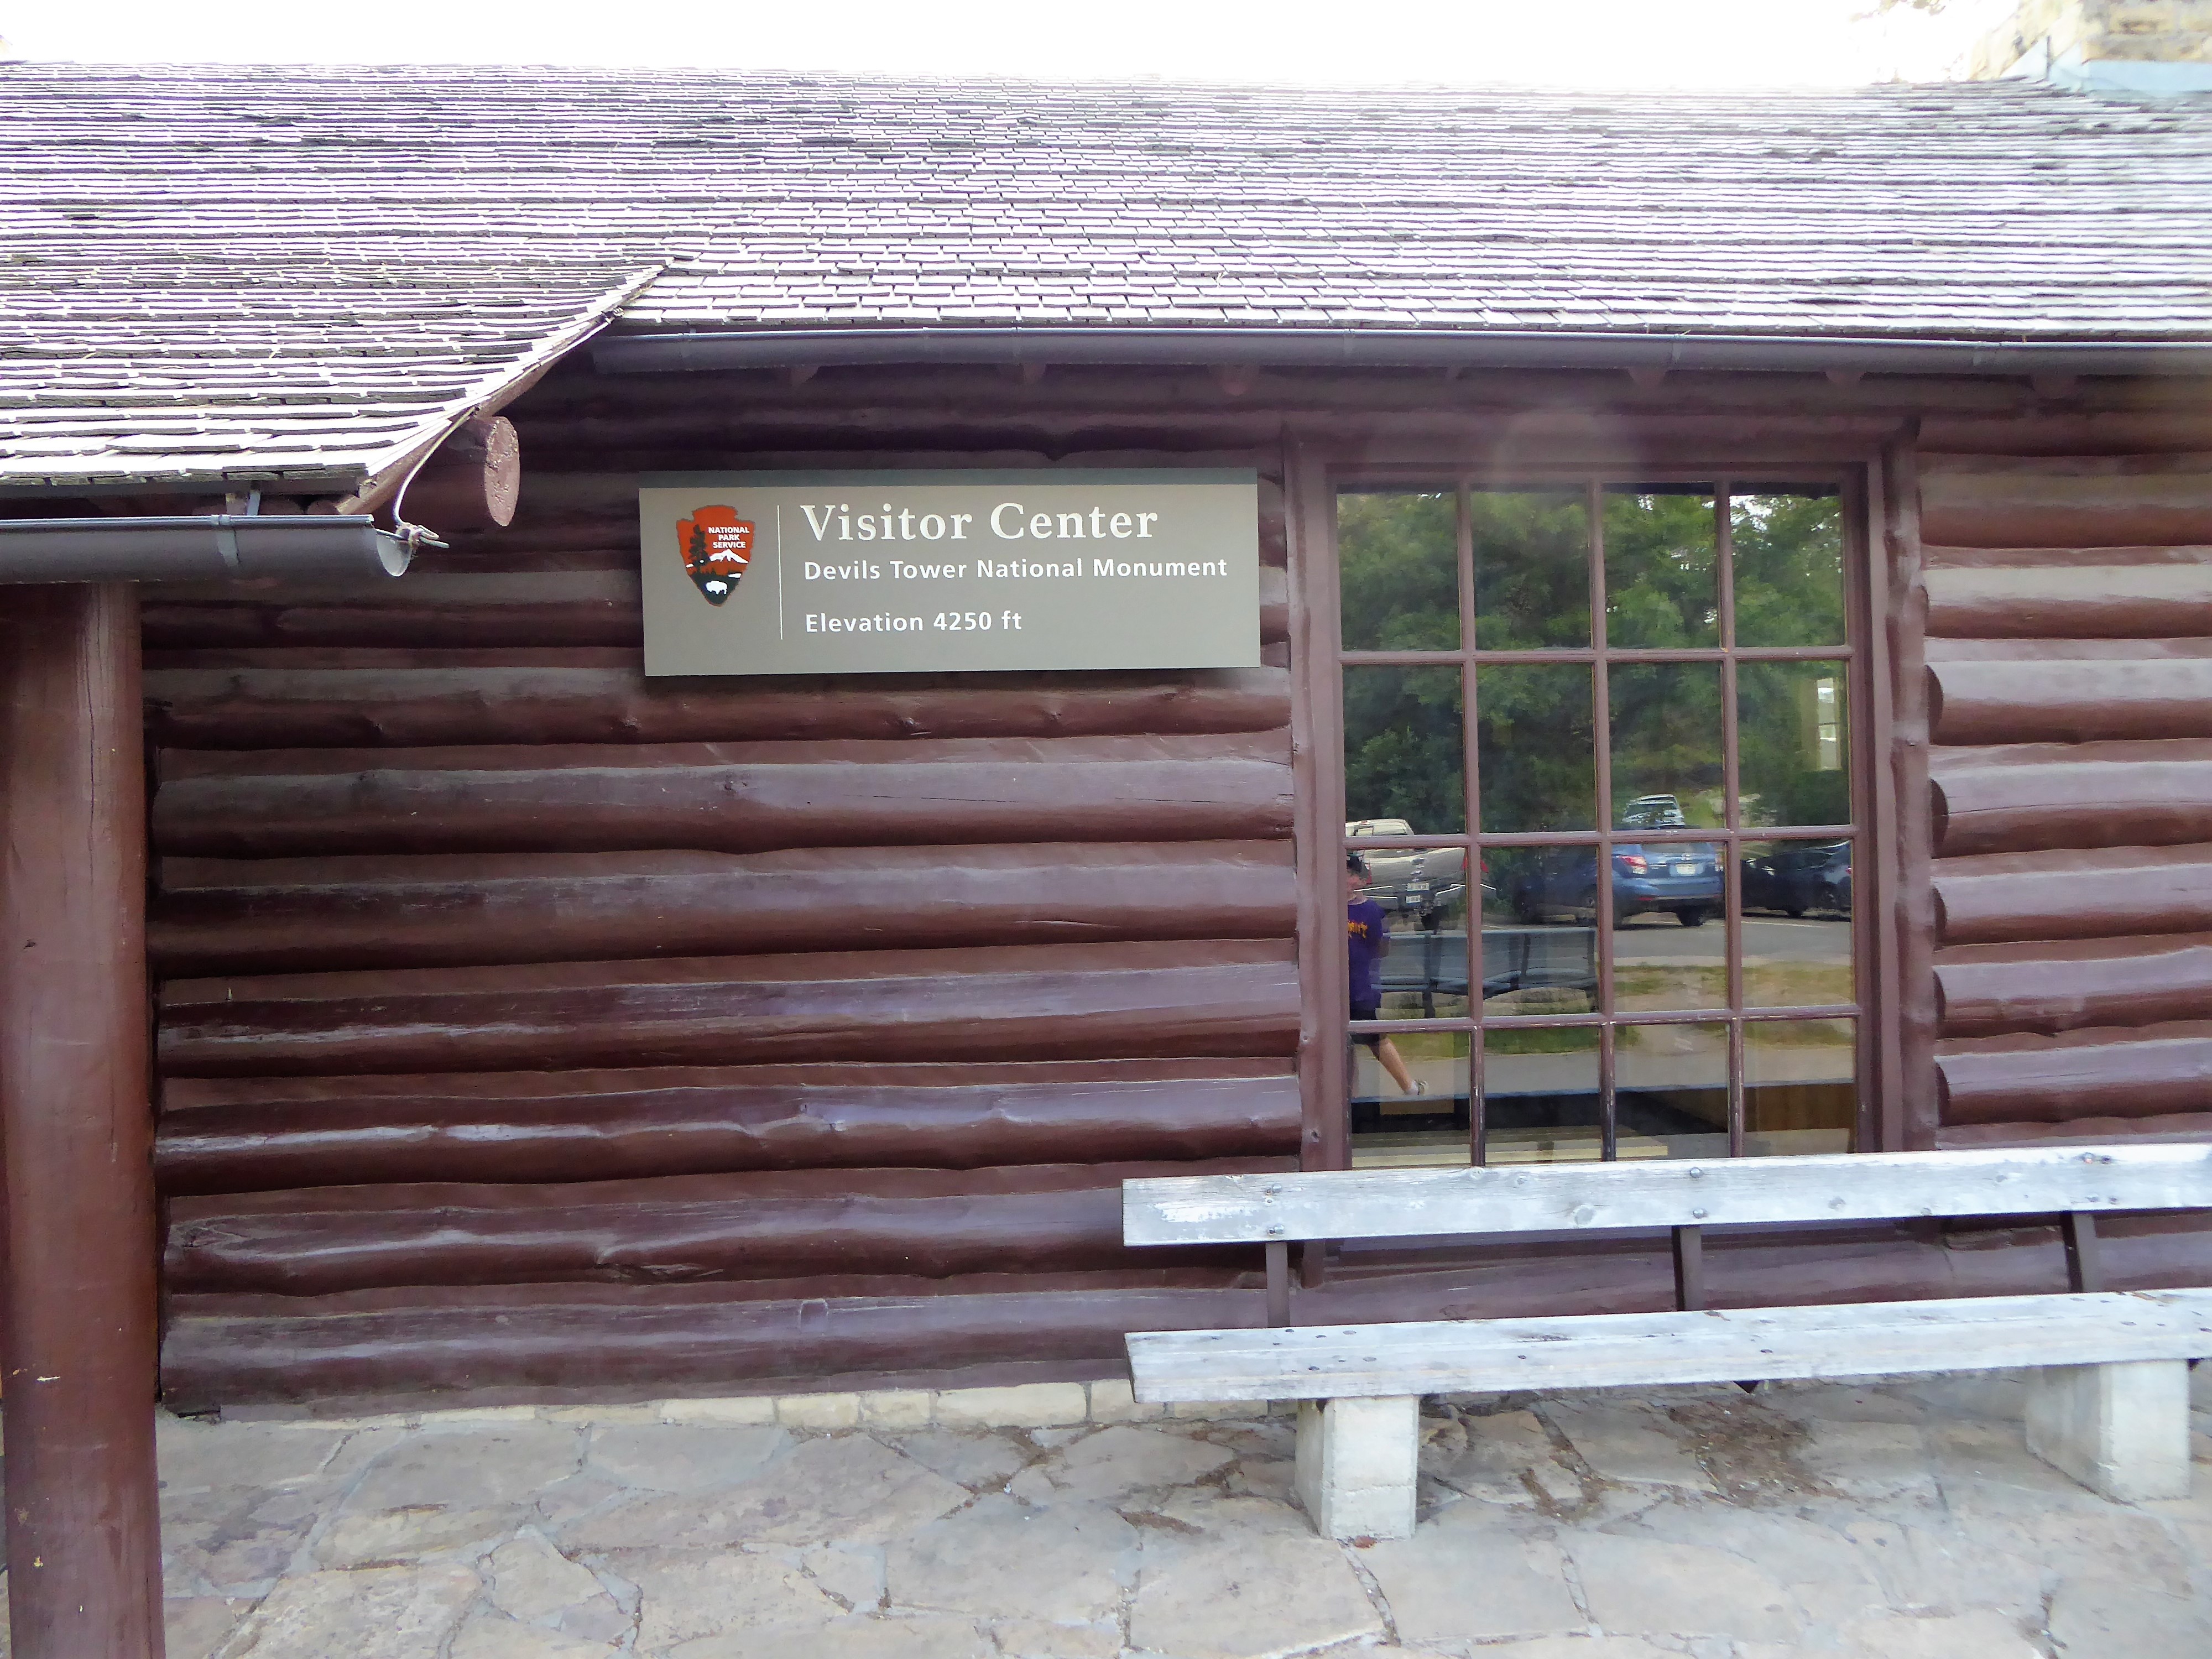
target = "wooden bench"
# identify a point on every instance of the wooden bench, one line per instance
(2110, 1406)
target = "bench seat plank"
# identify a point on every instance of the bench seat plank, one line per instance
(1664, 1192)
(1647, 1350)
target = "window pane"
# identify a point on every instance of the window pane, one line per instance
(1670, 1091)
(1531, 569)
(1660, 555)
(1787, 544)
(1408, 924)
(1540, 1095)
(1792, 742)
(1539, 939)
(1391, 1126)
(1666, 771)
(1798, 1086)
(1398, 553)
(1534, 733)
(1796, 923)
(1664, 956)
(1404, 754)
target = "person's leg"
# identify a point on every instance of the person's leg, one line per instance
(1394, 1063)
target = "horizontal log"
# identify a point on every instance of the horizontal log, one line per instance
(244, 1134)
(2036, 797)
(2114, 893)
(1984, 990)
(733, 798)
(2078, 1132)
(276, 915)
(2083, 501)
(602, 1342)
(584, 702)
(930, 1223)
(2128, 1074)
(1009, 1002)
(2016, 651)
(435, 607)
(2086, 600)
(2069, 701)
(2099, 432)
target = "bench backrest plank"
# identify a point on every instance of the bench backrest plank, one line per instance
(1671, 1193)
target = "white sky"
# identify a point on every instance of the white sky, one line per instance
(1588, 43)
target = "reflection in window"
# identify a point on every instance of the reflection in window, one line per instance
(1799, 1085)
(1666, 771)
(1540, 1095)
(1792, 740)
(1404, 751)
(1531, 569)
(1797, 924)
(1662, 559)
(1727, 771)
(1534, 737)
(1671, 1085)
(1398, 554)
(1787, 546)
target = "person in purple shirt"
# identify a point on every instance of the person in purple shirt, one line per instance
(1368, 930)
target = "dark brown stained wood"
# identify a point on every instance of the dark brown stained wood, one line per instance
(929, 1223)
(1010, 1002)
(2086, 601)
(242, 1135)
(2082, 502)
(1986, 990)
(582, 701)
(77, 1269)
(734, 797)
(1905, 1049)
(2099, 894)
(2099, 432)
(2020, 651)
(273, 915)
(2069, 701)
(639, 1341)
(2130, 1073)
(449, 607)
(2082, 1131)
(472, 482)
(2036, 797)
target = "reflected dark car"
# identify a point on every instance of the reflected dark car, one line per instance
(1681, 877)
(1799, 878)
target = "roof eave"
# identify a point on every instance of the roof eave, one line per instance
(1379, 348)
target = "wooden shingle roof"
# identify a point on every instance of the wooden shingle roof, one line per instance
(225, 274)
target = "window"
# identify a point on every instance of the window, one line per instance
(1599, 788)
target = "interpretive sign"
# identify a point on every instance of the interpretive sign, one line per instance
(872, 573)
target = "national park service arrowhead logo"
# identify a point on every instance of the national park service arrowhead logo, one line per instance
(717, 545)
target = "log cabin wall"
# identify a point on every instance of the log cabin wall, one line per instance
(2069, 702)
(530, 1030)
(528, 1026)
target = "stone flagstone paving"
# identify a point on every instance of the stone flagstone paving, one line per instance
(1896, 1522)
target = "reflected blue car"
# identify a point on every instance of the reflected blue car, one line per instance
(1683, 878)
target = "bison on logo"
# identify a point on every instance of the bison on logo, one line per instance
(716, 546)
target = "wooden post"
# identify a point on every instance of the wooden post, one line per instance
(84, 1527)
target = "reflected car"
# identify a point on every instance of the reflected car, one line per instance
(1683, 878)
(1413, 881)
(1796, 878)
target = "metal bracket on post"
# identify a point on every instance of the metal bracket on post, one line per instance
(2085, 1257)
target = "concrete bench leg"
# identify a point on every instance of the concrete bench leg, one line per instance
(1355, 1465)
(2122, 1430)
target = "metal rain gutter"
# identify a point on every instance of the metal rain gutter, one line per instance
(217, 545)
(1379, 348)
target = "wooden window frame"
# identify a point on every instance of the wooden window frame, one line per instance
(1314, 474)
